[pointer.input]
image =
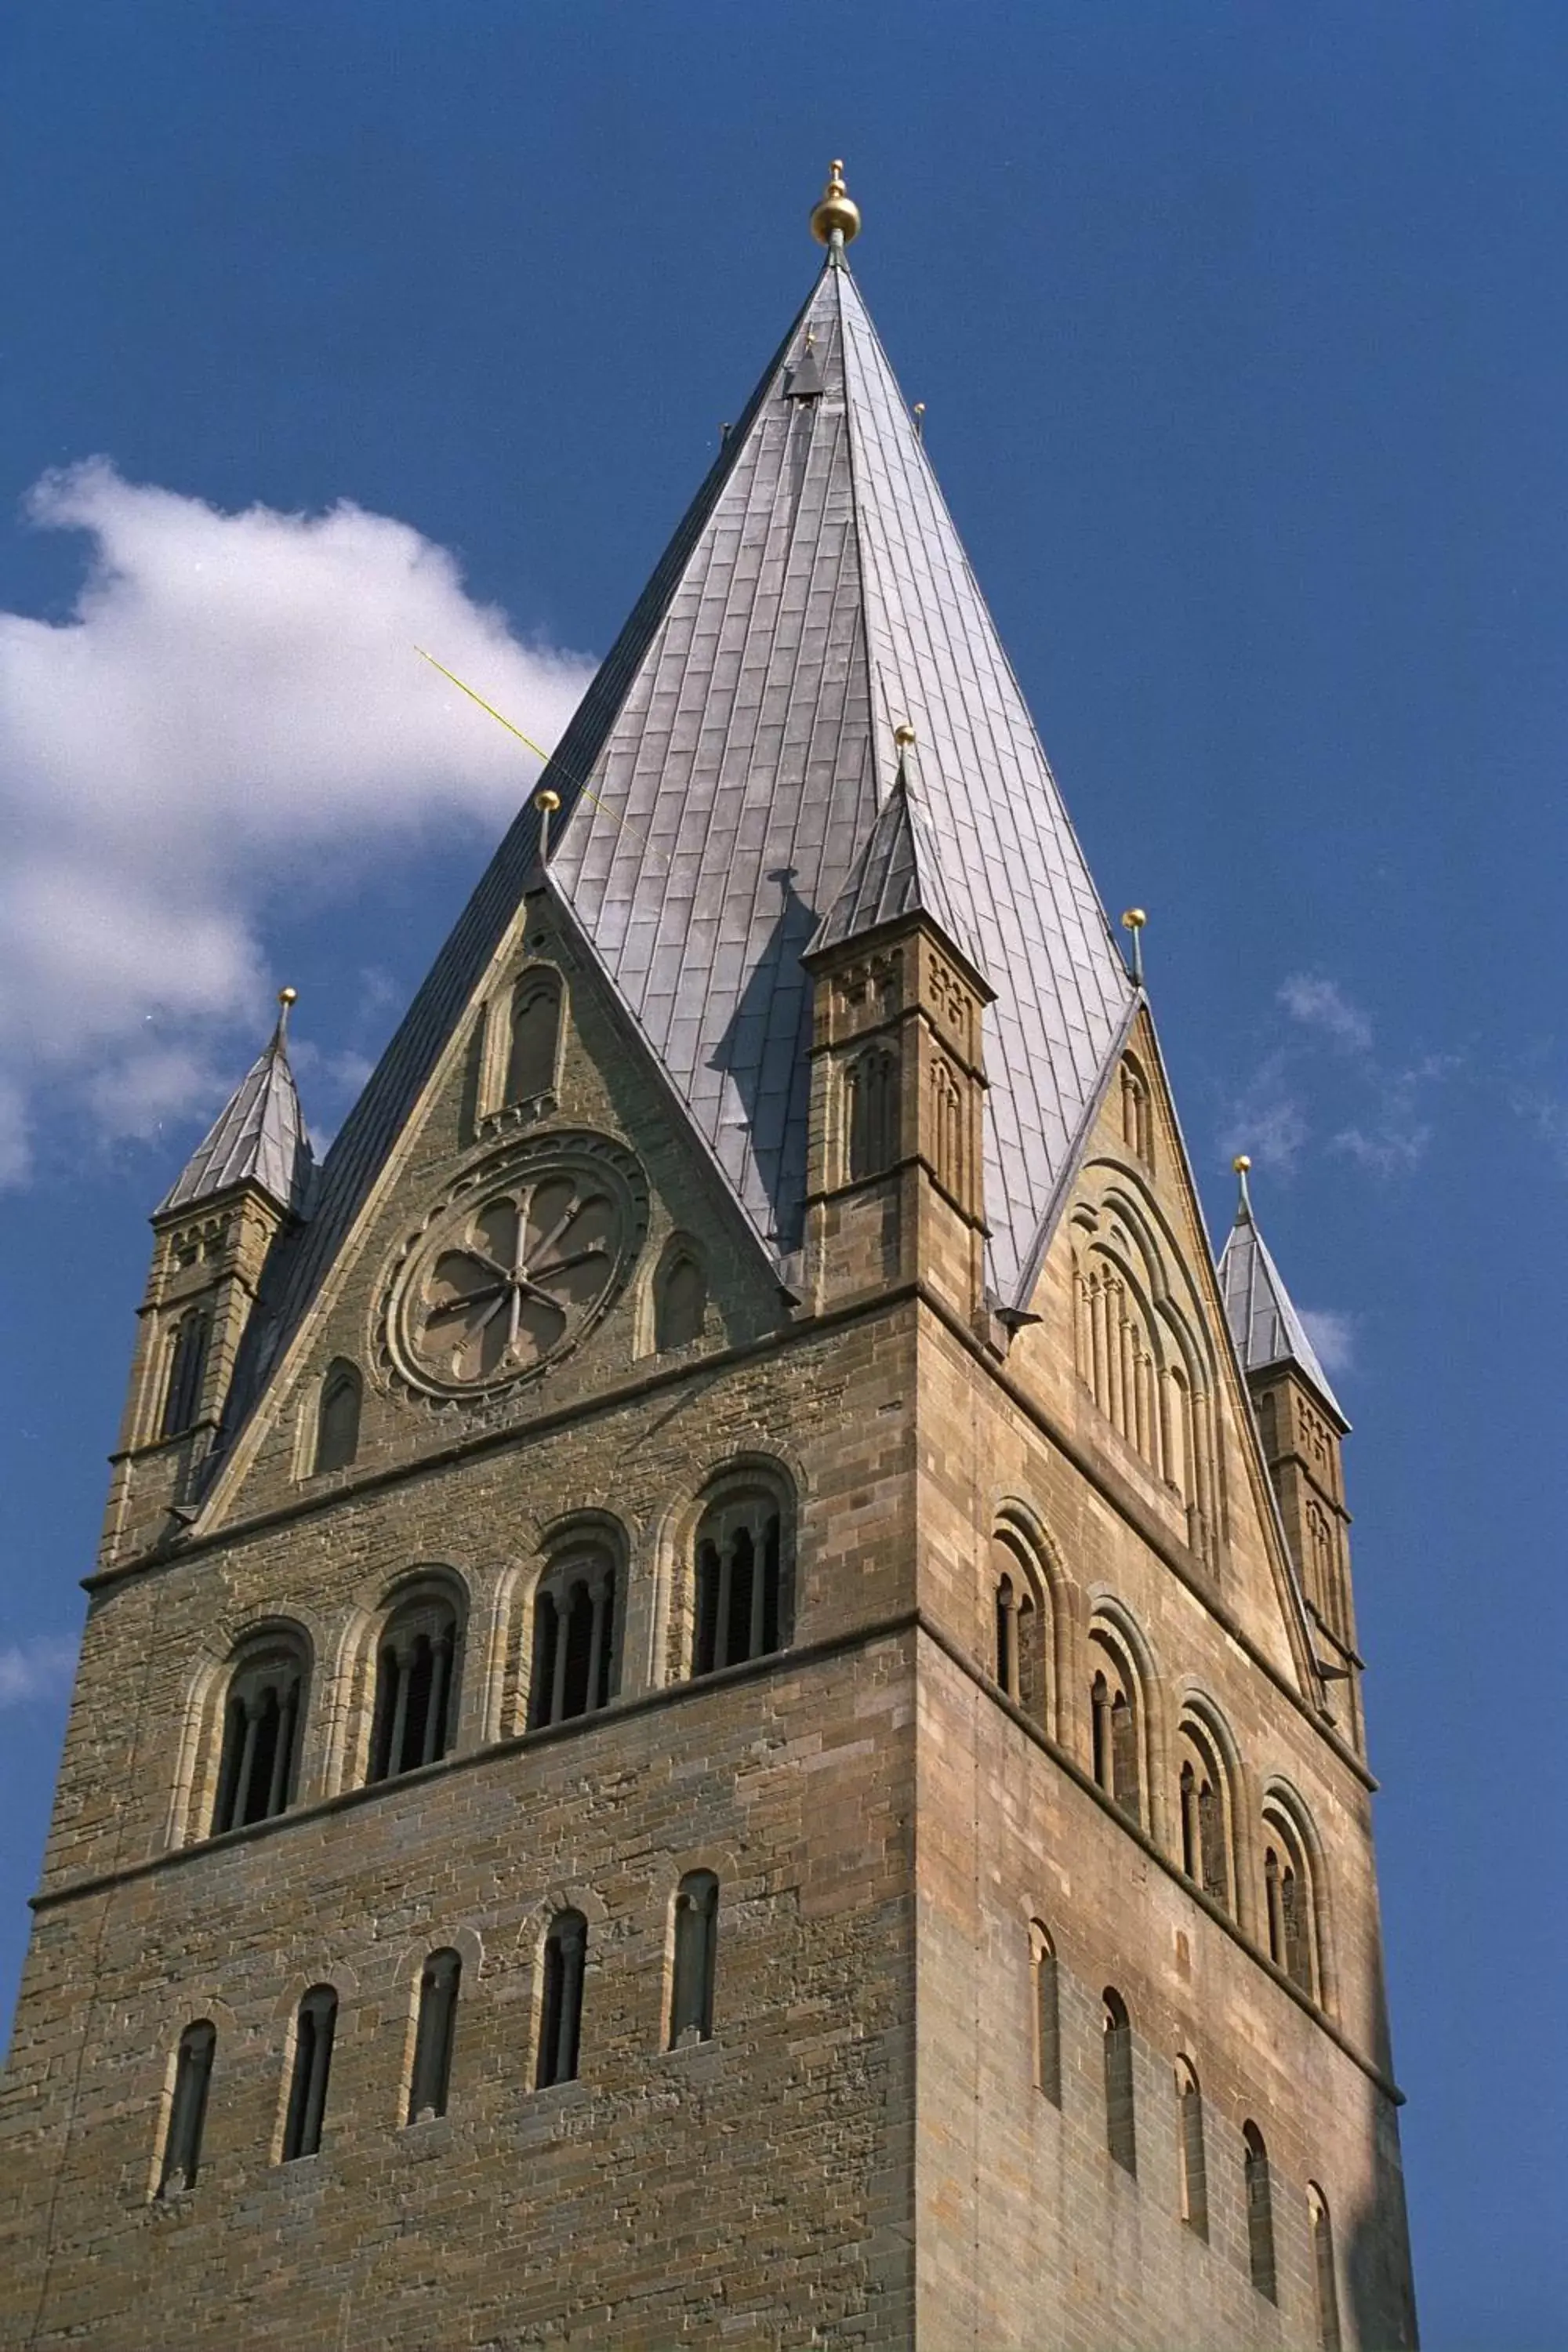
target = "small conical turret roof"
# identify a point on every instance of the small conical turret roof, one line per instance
(897, 872)
(1264, 1323)
(259, 1138)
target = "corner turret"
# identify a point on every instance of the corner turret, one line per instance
(1303, 1428)
(248, 1179)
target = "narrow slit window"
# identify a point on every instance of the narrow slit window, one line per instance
(187, 2109)
(435, 2033)
(696, 1959)
(1046, 2017)
(1259, 2190)
(534, 1035)
(561, 2012)
(679, 1301)
(337, 1417)
(1120, 2126)
(1324, 2283)
(314, 2030)
(187, 1371)
(1191, 2159)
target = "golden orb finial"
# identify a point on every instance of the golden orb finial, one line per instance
(1133, 919)
(547, 799)
(837, 214)
(1241, 1163)
(903, 735)
(288, 996)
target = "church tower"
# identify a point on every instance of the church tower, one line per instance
(720, 1702)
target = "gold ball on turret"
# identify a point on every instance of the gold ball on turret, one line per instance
(287, 996)
(1241, 1163)
(836, 211)
(1133, 919)
(547, 799)
(903, 735)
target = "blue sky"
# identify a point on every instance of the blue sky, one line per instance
(1242, 332)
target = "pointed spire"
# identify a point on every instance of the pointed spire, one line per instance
(259, 1138)
(1263, 1322)
(897, 871)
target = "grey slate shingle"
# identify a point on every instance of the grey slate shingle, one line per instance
(1263, 1321)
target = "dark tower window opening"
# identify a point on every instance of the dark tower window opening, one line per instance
(574, 1641)
(871, 1113)
(1045, 2014)
(1120, 2127)
(561, 2012)
(263, 1716)
(314, 2029)
(1325, 2286)
(1205, 1816)
(1022, 1630)
(187, 2109)
(1116, 1730)
(1259, 2213)
(1191, 2159)
(534, 1035)
(696, 1959)
(416, 1687)
(680, 1298)
(187, 1371)
(434, 2034)
(337, 1417)
(1288, 1902)
(740, 1582)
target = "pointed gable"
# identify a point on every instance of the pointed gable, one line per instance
(1264, 1323)
(259, 1138)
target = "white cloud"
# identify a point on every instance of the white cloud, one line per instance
(1333, 1333)
(1322, 1005)
(41, 1667)
(1266, 1119)
(233, 711)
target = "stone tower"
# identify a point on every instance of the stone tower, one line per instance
(718, 1711)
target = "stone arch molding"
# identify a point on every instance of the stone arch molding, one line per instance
(777, 1470)
(1142, 1347)
(224, 1650)
(349, 1697)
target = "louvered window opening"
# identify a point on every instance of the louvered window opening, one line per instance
(738, 1589)
(573, 1644)
(260, 1744)
(415, 1672)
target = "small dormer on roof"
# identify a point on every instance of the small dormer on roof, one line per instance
(1265, 1325)
(258, 1139)
(897, 871)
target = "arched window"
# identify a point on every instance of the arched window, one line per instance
(1191, 2162)
(1259, 2212)
(187, 2109)
(1116, 2034)
(314, 2029)
(696, 1959)
(1205, 1805)
(416, 1686)
(534, 1035)
(1022, 1630)
(871, 1112)
(1288, 1900)
(1136, 1130)
(740, 1581)
(1116, 1725)
(433, 2036)
(337, 1417)
(187, 1370)
(560, 2014)
(574, 1639)
(680, 1298)
(1325, 2285)
(262, 1720)
(1045, 2013)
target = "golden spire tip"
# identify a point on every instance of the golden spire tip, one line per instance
(1133, 919)
(1241, 1163)
(287, 996)
(903, 735)
(838, 217)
